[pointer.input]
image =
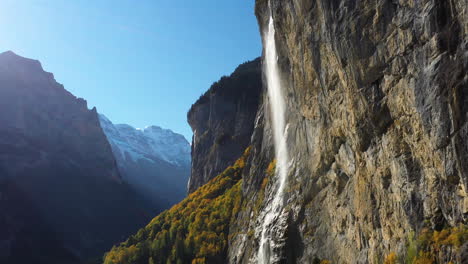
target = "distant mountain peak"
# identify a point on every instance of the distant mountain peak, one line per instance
(8, 53)
(154, 127)
(13, 56)
(152, 142)
(154, 160)
(26, 69)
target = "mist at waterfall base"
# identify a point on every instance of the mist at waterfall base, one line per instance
(277, 108)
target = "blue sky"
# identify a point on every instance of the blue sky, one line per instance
(140, 62)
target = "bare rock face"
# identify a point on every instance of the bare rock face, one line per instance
(222, 121)
(377, 102)
(53, 150)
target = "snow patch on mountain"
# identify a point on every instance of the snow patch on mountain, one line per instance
(150, 143)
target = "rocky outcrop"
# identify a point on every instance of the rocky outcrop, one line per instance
(376, 93)
(154, 161)
(53, 151)
(222, 121)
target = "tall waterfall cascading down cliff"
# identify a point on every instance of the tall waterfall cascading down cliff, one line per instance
(371, 98)
(277, 108)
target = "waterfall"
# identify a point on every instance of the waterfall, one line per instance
(277, 109)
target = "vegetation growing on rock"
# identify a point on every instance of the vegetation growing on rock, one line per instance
(430, 243)
(427, 247)
(193, 231)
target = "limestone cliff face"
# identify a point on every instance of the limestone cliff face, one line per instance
(377, 102)
(222, 121)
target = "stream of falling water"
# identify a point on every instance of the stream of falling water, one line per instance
(277, 108)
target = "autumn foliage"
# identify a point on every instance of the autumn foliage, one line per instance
(426, 247)
(430, 242)
(194, 231)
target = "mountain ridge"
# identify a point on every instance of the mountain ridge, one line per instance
(55, 154)
(155, 161)
(163, 138)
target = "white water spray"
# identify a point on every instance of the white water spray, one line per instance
(277, 109)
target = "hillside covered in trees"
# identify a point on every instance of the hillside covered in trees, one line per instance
(193, 231)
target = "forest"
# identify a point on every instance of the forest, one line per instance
(194, 231)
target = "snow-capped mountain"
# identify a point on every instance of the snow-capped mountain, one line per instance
(148, 143)
(155, 161)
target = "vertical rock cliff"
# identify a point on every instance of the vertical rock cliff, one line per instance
(222, 121)
(376, 95)
(55, 158)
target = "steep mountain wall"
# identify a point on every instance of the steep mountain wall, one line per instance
(222, 121)
(376, 113)
(376, 95)
(53, 151)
